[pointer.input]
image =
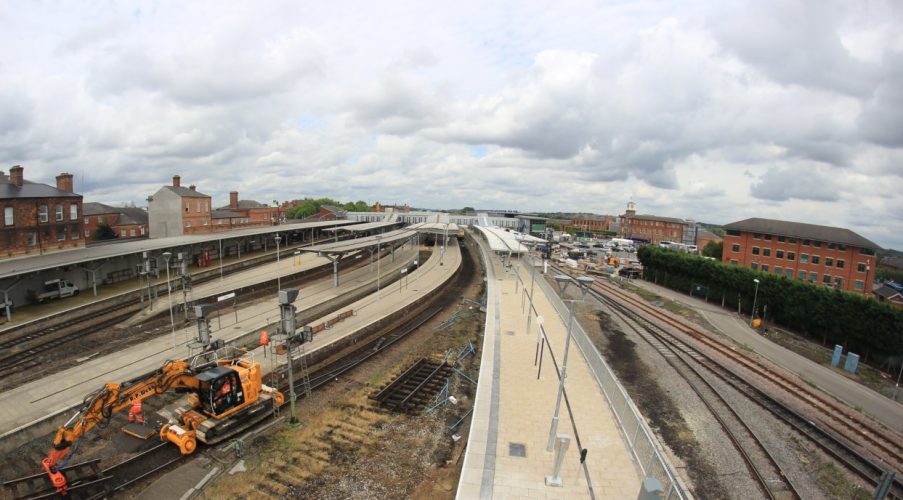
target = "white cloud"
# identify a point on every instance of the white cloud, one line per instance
(710, 111)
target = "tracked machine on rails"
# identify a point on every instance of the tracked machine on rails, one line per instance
(225, 395)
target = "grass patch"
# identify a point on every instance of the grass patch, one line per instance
(836, 484)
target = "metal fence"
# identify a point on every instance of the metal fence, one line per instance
(639, 438)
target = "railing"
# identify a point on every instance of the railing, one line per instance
(639, 438)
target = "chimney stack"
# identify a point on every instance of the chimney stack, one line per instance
(192, 187)
(64, 182)
(233, 199)
(176, 181)
(16, 175)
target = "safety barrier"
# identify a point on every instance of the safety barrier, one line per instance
(328, 323)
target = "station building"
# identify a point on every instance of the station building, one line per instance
(38, 218)
(823, 255)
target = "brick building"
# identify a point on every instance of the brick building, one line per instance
(830, 256)
(892, 293)
(326, 212)
(38, 218)
(246, 213)
(175, 211)
(592, 223)
(126, 222)
(650, 228)
(704, 237)
(378, 207)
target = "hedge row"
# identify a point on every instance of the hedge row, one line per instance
(829, 315)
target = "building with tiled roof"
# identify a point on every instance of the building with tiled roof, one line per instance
(822, 255)
(175, 210)
(38, 218)
(126, 222)
(246, 213)
(650, 228)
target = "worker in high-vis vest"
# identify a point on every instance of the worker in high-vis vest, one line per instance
(136, 413)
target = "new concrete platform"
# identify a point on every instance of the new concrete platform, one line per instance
(506, 453)
(61, 391)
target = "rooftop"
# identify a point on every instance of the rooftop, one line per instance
(803, 231)
(656, 218)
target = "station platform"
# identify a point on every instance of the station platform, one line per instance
(47, 397)
(507, 453)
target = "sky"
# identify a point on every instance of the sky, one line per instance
(712, 111)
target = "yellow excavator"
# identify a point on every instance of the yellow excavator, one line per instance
(224, 396)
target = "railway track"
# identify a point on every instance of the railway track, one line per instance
(96, 484)
(833, 439)
(411, 391)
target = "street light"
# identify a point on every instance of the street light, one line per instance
(172, 321)
(278, 279)
(563, 280)
(755, 296)
(378, 237)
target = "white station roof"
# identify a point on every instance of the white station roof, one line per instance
(501, 240)
(33, 263)
(434, 227)
(359, 243)
(367, 226)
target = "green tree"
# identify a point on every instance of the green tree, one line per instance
(105, 232)
(713, 249)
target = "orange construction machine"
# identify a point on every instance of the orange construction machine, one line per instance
(225, 396)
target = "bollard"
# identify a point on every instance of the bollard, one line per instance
(562, 441)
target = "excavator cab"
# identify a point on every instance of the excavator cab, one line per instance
(220, 390)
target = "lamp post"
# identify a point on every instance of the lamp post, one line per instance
(755, 296)
(172, 321)
(278, 278)
(563, 280)
(378, 237)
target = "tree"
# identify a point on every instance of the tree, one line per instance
(105, 232)
(713, 249)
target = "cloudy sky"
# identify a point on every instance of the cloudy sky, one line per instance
(715, 111)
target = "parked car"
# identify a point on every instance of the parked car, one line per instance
(629, 272)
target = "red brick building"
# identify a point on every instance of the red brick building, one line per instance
(592, 223)
(37, 218)
(176, 210)
(829, 256)
(651, 228)
(126, 222)
(378, 207)
(246, 213)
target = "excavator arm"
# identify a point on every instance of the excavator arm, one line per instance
(112, 398)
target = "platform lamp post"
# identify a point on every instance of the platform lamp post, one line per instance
(378, 237)
(755, 296)
(172, 321)
(287, 327)
(278, 278)
(563, 280)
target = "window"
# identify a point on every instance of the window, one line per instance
(764, 268)
(207, 206)
(779, 254)
(839, 264)
(733, 232)
(859, 285)
(754, 266)
(32, 239)
(788, 272)
(123, 233)
(826, 279)
(60, 233)
(73, 211)
(813, 277)
(8, 218)
(860, 267)
(782, 239)
(806, 242)
(132, 232)
(87, 220)
(816, 244)
(804, 258)
(757, 236)
(838, 282)
(141, 230)
(802, 275)
(831, 246)
(73, 231)
(197, 206)
(187, 205)
(734, 262)
(87, 233)
(842, 247)
(42, 213)
(768, 237)
(188, 224)
(755, 250)
(99, 219)
(791, 256)
(867, 251)
(815, 259)
(59, 212)
(778, 270)
(829, 261)
(766, 252)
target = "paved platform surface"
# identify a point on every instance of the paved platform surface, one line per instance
(828, 379)
(62, 390)
(513, 410)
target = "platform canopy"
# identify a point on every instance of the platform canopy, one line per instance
(345, 246)
(435, 227)
(367, 226)
(527, 238)
(501, 240)
(34, 263)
